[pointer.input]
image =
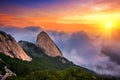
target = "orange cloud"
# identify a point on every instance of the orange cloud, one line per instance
(47, 23)
(70, 18)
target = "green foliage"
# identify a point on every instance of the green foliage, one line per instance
(18, 66)
(71, 73)
(43, 67)
(41, 60)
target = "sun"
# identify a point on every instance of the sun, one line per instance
(108, 25)
(106, 29)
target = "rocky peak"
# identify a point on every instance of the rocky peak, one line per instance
(10, 47)
(46, 43)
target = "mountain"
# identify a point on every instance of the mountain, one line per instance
(48, 45)
(39, 57)
(42, 66)
(10, 47)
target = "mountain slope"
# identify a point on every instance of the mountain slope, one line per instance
(29, 71)
(42, 59)
(10, 47)
(44, 67)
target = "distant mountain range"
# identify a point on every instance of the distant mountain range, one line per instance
(41, 61)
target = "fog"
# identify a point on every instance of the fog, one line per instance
(80, 47)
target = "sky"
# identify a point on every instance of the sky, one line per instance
(60, 15)
(86, 31)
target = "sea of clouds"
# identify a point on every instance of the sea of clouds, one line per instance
(80, 47)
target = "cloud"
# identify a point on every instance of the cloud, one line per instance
(28, 33)
(85, 51)
(78, 44)
(79, 47)
(113, 52)
(111, 5)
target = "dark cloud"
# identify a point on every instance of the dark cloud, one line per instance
(33, 28)
(113, 52)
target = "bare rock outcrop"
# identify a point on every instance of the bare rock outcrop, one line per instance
(10, 47)
(7, 74)
(46, 43)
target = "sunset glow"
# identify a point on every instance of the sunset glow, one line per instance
(57, 16)
(87, 32)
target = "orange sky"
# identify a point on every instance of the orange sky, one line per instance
(68, 16)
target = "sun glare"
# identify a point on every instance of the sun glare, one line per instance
(106, 28)
(107, 31)
(108, 25)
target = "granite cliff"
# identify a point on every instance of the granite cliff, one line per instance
(48, 45)
(10, 47)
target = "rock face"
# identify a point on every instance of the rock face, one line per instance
(46, 43)
(10, 47)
